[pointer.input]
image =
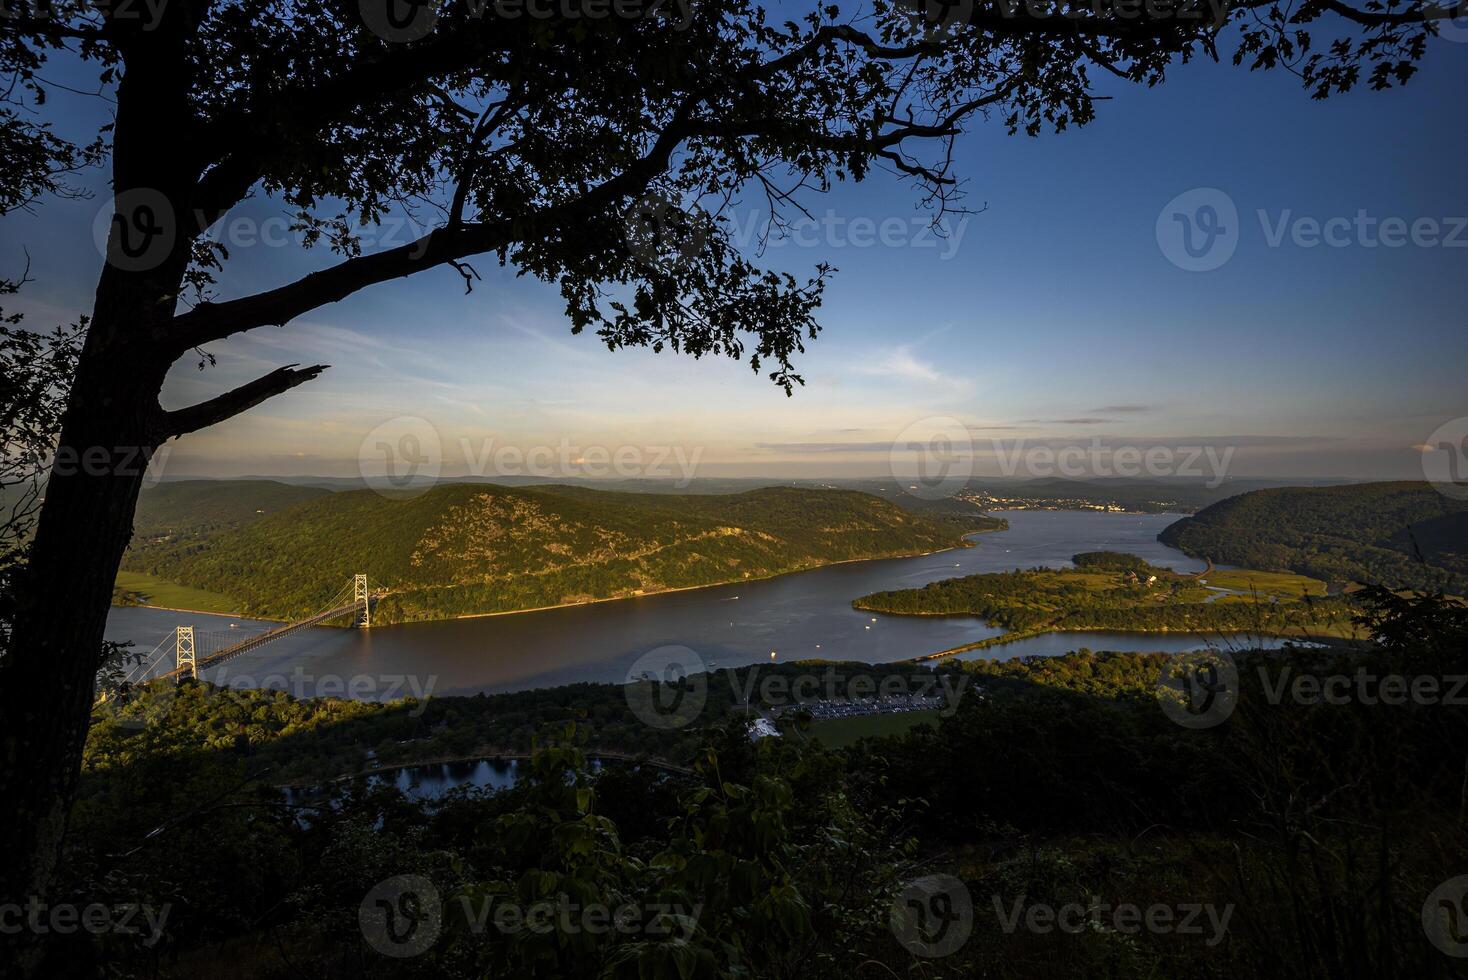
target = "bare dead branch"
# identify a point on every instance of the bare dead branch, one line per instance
(236, 400)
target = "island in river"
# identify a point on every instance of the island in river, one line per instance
(1110, 591)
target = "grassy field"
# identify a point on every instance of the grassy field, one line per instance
(1287, 587)
(153, 591)
(837, 733)
(1283, 584)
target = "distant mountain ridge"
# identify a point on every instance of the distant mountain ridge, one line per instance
(1402, 534)
(465, 549)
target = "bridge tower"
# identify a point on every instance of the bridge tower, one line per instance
(362, 599)
(183, 651)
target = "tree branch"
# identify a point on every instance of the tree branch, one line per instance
(215, 321)
(312, 104)
(237, 400)
(1398, 18)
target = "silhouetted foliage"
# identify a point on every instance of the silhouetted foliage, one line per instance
(1428, 621)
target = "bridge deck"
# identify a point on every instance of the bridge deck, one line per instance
(358, 590)
(215, 659)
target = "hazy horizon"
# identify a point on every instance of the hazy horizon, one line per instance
(998, 479)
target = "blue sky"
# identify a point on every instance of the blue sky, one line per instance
(1052, 315)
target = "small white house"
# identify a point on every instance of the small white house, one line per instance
(762, 728)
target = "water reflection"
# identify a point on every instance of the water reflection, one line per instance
(432, 781)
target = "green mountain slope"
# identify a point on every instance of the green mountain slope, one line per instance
(217, 502)
(1399, 534)
(177, 518)
(463, 549)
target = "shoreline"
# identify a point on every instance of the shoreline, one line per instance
(1096, 510)
(963, 543)
(196, 612)
(1289, 633)
(692, 588)
(1004, 638)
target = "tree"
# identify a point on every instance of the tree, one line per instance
(595, 144)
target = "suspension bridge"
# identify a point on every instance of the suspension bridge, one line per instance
(196, 650)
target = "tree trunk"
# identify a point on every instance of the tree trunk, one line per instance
(47, 676)
(111, 427)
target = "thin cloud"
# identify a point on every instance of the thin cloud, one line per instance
(899, 363)
(824, 447)
(1174, 442)
(1081, 421)
(578, 352)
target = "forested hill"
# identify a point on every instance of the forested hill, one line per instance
(180, 516)
(215, 504)
(463, 548)
(1364, 533)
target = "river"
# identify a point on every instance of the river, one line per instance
(797, 616)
